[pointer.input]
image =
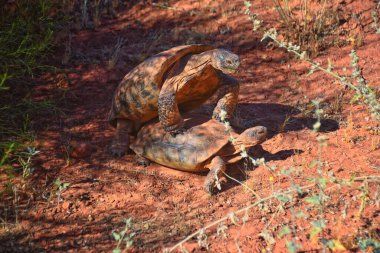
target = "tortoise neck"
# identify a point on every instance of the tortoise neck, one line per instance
(201, 59)
(199, 63)
(239, 144)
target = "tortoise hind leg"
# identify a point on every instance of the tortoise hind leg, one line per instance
(228, 93)
(217, 168)
(120, 143)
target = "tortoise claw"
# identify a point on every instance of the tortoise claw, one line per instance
(118, 150)
(219, 118)
(142, 161)
(209, 188)
(176, 132)
(212, 187)
(213, 181)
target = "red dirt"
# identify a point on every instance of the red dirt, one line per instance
(167, 205)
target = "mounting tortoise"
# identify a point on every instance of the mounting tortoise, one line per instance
(179, 79)
(203, 147)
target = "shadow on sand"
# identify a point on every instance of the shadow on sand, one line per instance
(277, 118)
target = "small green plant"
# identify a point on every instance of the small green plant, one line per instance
(256, 23)
(125, 237)
(12, 161)
(3, 77)
(375, 24)
(375, 18)
(369, 244)
(59, 188)
(25, 160)
(8, 148)
(164, 6)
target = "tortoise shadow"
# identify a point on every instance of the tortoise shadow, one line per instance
(238, 171)
(275, 117)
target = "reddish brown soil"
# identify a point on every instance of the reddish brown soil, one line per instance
(167, 205)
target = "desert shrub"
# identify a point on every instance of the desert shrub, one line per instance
(356, 82)
(308, 23)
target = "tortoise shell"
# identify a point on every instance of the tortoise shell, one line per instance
(188, 151)
(135, 94)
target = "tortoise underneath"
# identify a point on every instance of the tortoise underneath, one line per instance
(203, 147)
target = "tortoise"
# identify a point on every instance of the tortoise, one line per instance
(176, 80)
(203, 147)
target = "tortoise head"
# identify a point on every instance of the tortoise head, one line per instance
(225, 61)
(252, 136)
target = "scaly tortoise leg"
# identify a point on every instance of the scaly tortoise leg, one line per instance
(228, 97)
(140, 160)
(168, 112)
(217, 168)
(120, 143)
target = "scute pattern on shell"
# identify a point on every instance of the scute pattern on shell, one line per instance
(136, 97)
(187, 151)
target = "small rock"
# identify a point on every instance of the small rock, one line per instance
(66, 205)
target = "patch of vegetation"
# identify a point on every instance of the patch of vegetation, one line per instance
(375, 17)
(309, 24)
(58, 188)
(356, 82)
(29, 31)
(26, 31)
(26, 36)
(15, 126)
(124, 238)
(18, 174)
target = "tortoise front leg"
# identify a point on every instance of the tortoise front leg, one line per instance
(140, 160)
(217, 168)
(120, 142)
(168, 112)
(228, 97)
